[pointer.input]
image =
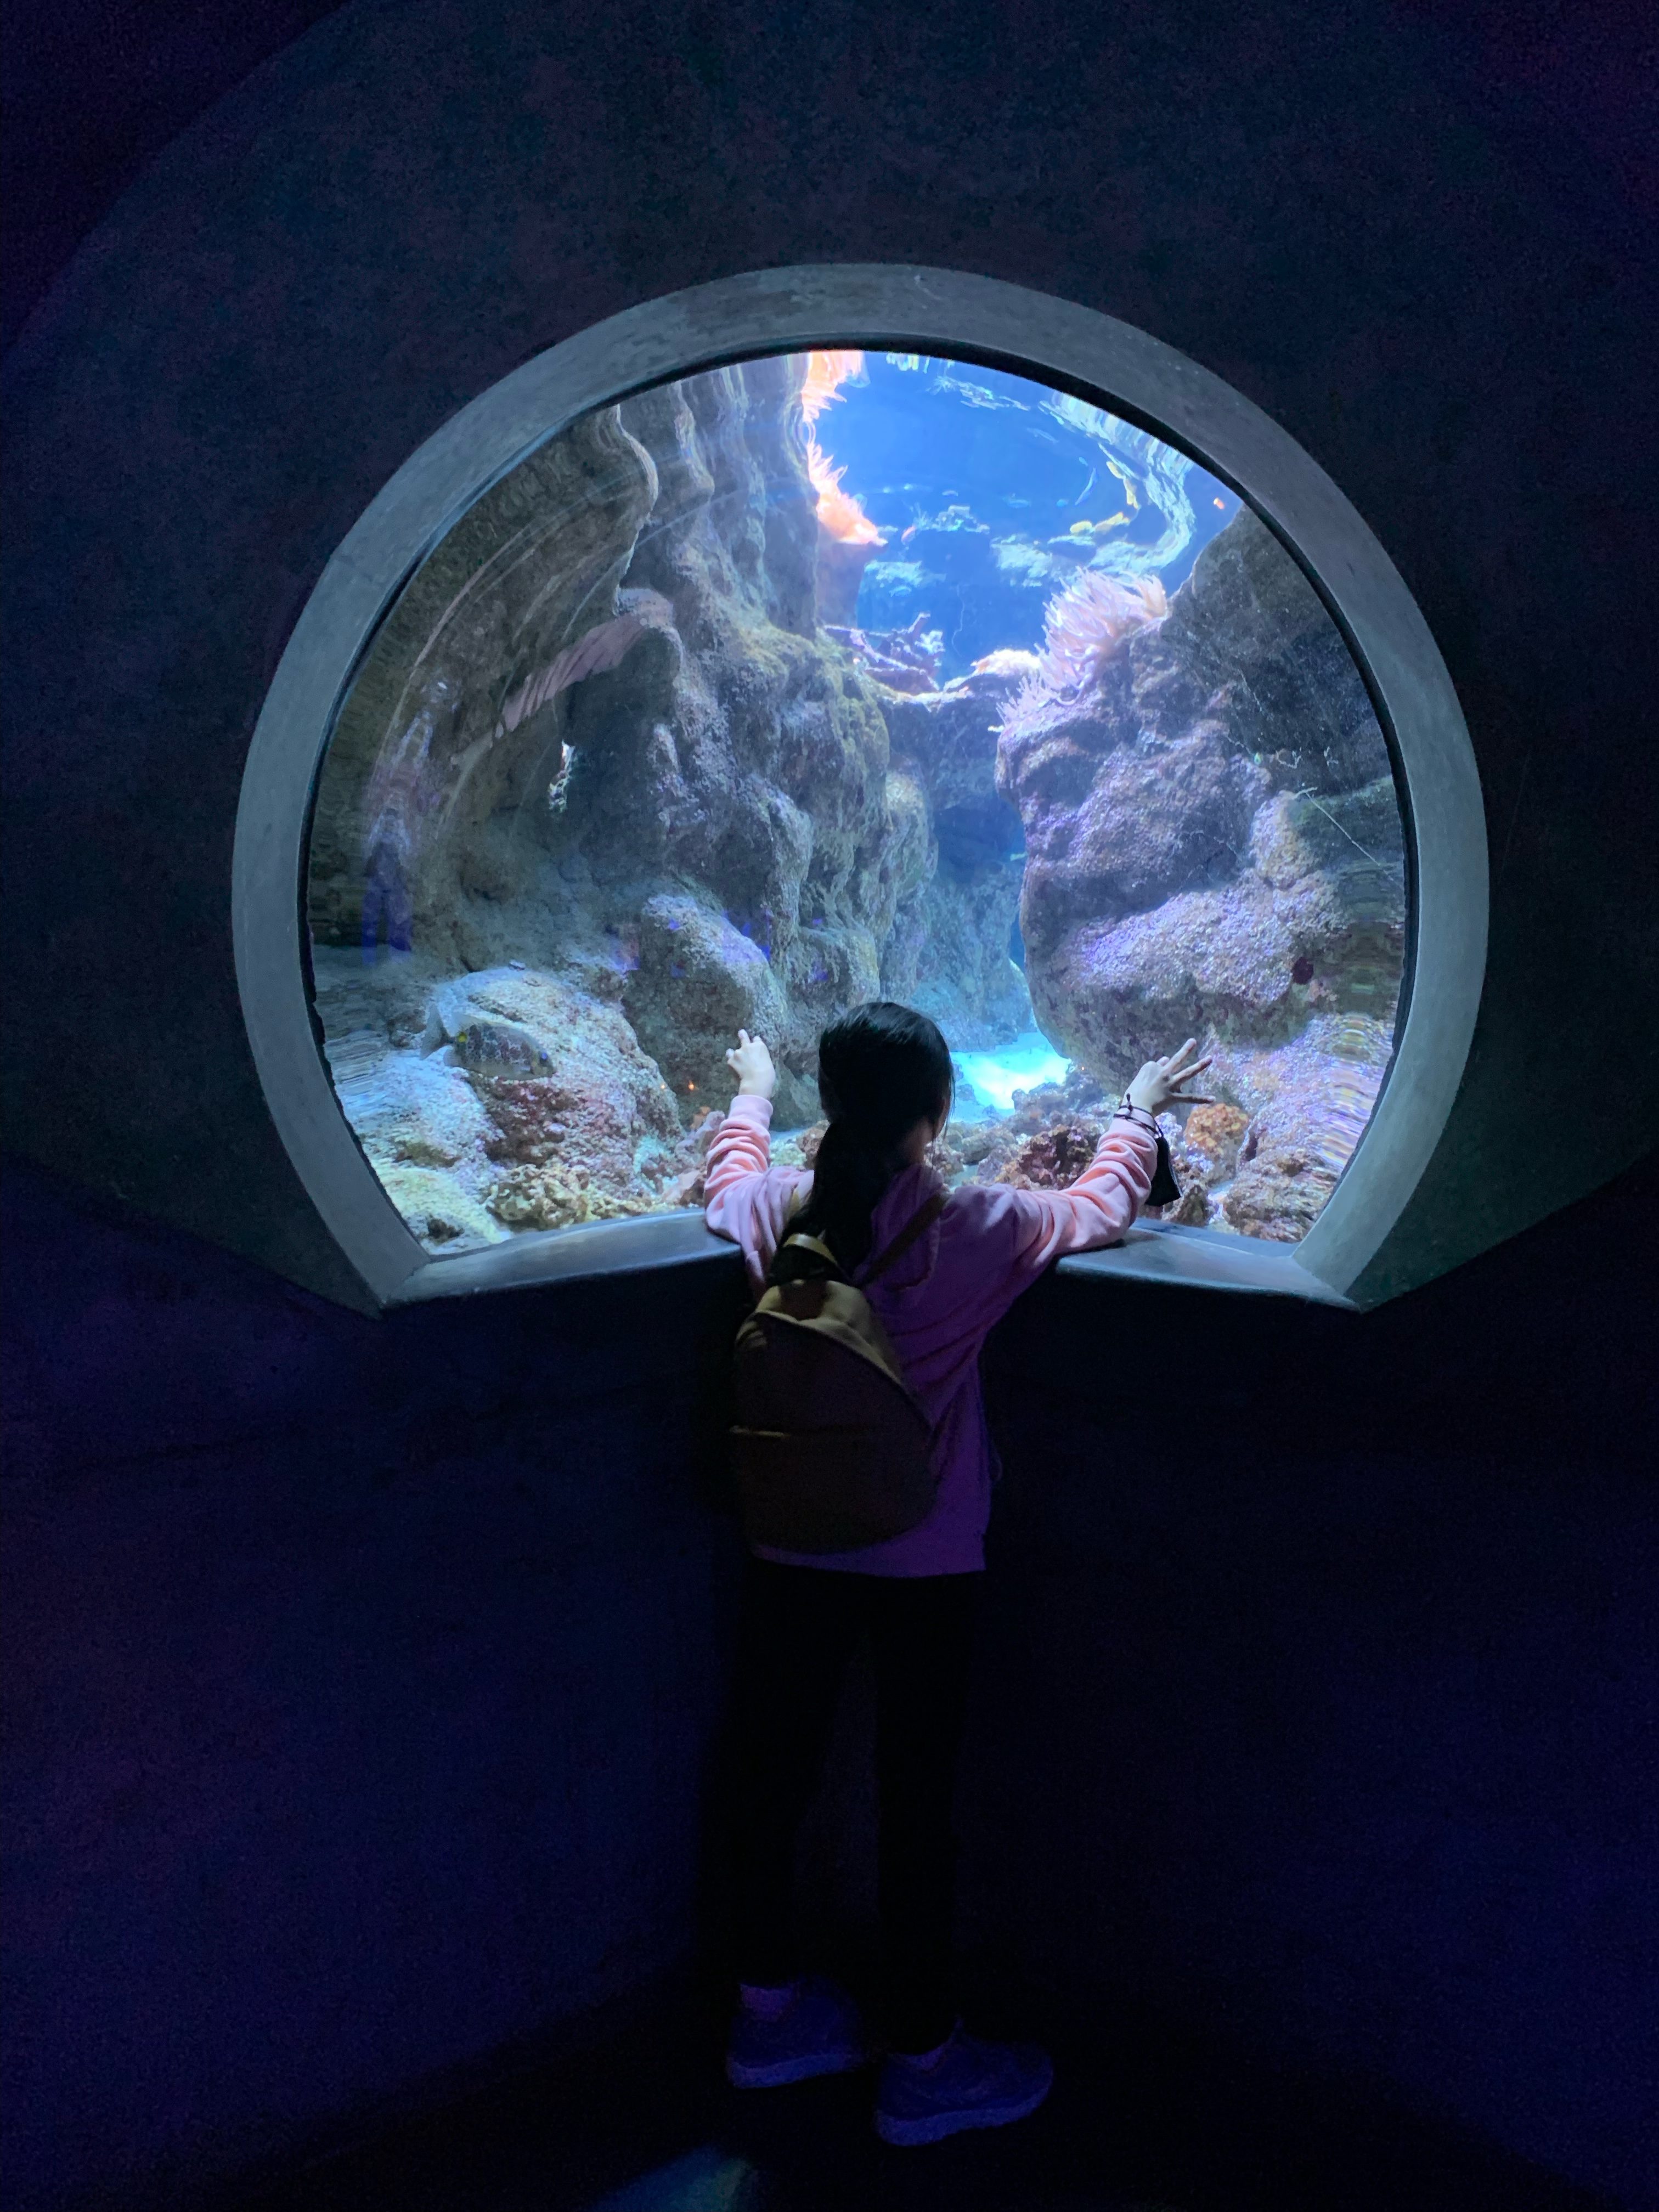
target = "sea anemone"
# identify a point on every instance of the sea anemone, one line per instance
(1085, 627)
(1090, 622)
(825, 374)
(839, 513)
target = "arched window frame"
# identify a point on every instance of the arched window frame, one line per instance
(876, 307)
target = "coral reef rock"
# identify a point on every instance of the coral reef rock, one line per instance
(1203, 1156)
(522, 1103)
(1312, 1099)
(608, 787)
(1053, 1159)
(690, 820)
(1214, 848)
(961, 915)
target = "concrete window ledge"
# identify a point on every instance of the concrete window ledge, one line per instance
(1207, 1259)
(1194, 1258)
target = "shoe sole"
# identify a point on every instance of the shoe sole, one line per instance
(909, 2134)
(786, 2070)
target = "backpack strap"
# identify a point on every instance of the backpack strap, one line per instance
(813, 1244)
(917, 1226)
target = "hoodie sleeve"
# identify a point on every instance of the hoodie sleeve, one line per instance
(1095, 1210)
(1003, 1239)
(746, 1198)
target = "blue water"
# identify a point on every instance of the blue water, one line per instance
(989, 1079)
(918, 434)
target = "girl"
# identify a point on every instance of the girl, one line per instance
(884, 1078)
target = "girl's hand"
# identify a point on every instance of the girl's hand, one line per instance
(1158, 1086)
(751, 1063)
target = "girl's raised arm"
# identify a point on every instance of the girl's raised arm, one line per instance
(1022, 1232)
(746, 1198)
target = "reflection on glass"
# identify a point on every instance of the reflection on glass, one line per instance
(831, 676)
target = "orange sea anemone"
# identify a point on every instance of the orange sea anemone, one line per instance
(825, 374)
(839, 512)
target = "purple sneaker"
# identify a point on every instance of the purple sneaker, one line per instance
(818, 2032)
(971, 2084)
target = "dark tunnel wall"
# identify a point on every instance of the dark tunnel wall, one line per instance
(412, 199)
(364, 1683)
(363, 1678)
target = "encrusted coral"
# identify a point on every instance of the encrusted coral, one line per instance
(633, 763)
(903, 660)
(558, 1198)
(1053, 1159)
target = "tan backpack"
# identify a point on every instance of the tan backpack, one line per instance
(830, 1450)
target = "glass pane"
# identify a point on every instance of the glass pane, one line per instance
(837, 676)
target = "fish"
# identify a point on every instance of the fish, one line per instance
(1127, 481)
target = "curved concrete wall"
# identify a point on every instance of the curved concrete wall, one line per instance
(413, 199)
(329, 1661)
(364, 1685)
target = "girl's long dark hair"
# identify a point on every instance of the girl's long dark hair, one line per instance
(882, 1068)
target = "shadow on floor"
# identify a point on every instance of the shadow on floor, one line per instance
(1142, 2120)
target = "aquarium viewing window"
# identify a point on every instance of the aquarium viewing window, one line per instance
(742, 693)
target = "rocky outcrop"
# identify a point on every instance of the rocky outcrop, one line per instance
(1252, 960)
(1214, 848)
(603, 736)
(422, 759)
(950, 951)
(608, 788)
(520, 1102)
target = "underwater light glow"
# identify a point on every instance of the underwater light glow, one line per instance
(996, 1076)
(1005, 712)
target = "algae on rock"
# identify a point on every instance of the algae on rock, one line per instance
(1215, 849)
(608, 790)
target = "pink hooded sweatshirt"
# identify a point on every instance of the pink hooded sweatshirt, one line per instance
(937, 1303)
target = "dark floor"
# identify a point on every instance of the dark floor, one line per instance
(1142, 2120)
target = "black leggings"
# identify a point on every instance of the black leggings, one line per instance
(800, 1627)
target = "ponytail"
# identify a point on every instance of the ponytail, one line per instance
(882, 1068)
